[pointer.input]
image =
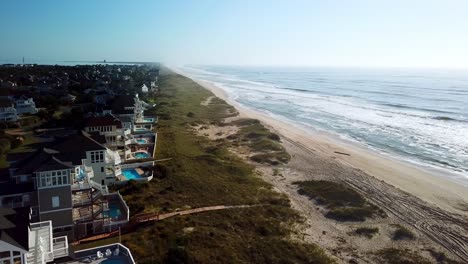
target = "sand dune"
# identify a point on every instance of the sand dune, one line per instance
(433, 206)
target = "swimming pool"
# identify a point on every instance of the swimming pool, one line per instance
(149, 119)
(115, 260)
(142, 155)
(131, 174)
(114, 211)
(141, 141)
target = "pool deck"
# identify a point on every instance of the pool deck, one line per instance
(113, 253)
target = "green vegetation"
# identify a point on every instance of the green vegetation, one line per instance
(399, 256)
(441, 258)
(203, 172)
(402, 233)
(368, 232)
(14, 144)
(261, 141)
(342, 202)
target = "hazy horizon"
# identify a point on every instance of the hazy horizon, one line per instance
(395, 34)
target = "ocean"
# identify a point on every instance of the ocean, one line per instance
(420, 116)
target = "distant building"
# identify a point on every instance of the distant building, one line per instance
(8, 111)
(144, 88)
(25, 105)
(8, 84)
(69, 98)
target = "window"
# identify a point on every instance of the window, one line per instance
(52, 178)
(97, 156)
(102, 169)
(55, 201)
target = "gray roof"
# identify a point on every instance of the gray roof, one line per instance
(73, 149)
(14, 227)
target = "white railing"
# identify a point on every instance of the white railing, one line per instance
(39, 225)
(112, 157)
(136, 165)
(103, 188)
(60, 246)
(81, 186)
(89, 171)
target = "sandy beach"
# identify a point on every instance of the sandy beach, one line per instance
(434, 207)
(425, 184)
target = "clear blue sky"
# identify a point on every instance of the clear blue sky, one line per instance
(405, 33)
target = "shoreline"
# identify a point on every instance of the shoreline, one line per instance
(424, 184)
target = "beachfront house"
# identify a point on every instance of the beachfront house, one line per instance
(23, 241)
(49, 194)
(8, 111)
(82, 148)
(115, 136)
(59, 185)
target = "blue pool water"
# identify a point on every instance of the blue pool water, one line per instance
(149, 119)
(131, 174)
(141, 141)
(114, 211)
(141, 155)
(115, 261)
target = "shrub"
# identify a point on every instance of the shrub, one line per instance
(190, 114)
(368, 232)
(402, 233)
(274, 137)
(399, 256)
(5, 145)
(331, 193)
(354, 214)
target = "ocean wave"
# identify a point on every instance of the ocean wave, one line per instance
(425, 125)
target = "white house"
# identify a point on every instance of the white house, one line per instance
(8, 112)
(25, 105)
(144, 88)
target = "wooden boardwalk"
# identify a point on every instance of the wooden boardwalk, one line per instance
(153, 217)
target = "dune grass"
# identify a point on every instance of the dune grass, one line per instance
(368, 232)
(342, 202)
(265, 145)
(399, 256)
(402, 233)
(203, 173)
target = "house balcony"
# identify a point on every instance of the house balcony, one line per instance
(112, 157)
(60, 245)
(81, 186)
(111, 253)
(85, 173)
(43, 247)
(89, 213)
(86, 185)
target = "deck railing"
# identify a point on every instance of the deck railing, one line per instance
(60, 246)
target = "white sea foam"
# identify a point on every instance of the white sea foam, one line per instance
(419, 117)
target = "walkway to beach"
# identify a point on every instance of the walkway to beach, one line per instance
(153, 217)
